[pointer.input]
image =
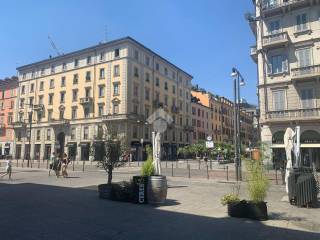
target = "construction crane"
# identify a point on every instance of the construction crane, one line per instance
(54, 46)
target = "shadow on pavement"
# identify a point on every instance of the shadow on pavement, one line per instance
(34, 211)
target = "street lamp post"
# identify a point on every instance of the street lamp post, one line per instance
(238, 81)
(30, 127)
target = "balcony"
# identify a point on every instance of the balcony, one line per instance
(119, 117)
(2, 126)
(301, 115)
(282, 6)
(86, 100)
(254, 53)
(188, 128)
(58, 122)
(38, 107)
(157, 104)
(305, 72)
(276, 40)
(19, 124)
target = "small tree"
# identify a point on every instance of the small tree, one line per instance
(148, 168)
(113, 155)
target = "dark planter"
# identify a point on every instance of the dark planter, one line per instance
(157, 190)
(257, 211)
(140, 185)
(237, 209)
(122, 192)
(105, 191)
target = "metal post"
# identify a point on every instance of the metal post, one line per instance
(83, 165)
(172, 169)
(211, 164)
(235, 117)
(73, 165)
(199, 163)
(239, 130)
(276, 176)
(207, 171)
(30, 127)
(189, 172)
(227, 173)
(17, 163)
(47, 163)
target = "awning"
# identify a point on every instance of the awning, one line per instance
(84, 144)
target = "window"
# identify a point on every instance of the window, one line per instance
(307, 98)
(88, 76)
(76, 63)
(100, 110)
(61, 114)
(134, 132)
(147, 62)
(53, 69)
(157, 82)
(136, 72)
(278, 64)
(63, 81)
(279, 100)
(304, 57)
(166, 100)
(165, 86)
(85, 132)
(102, 56)
(73, 133)
(302, 22)
(21, 103)
(180, 92)
(74, 95)
(48, 134)
(174, 89)
(64, 66)
(74, 113)
(274, 27)
(86, 112)
(117, 52)
(116, 71)
(147, 77)
(23, 76)
(166, 71)
(23, 88)
(41, 86)
(32, 87)
(88, 60)
(88, 92)
(10, 118)
(75, 78)
(136, 55)
(38, 135)
(50, 99)
(101, 91)
(41, 100)
(30, 101)
(51, 83)
(11, 104)
(42, 71)
(115, 89)
(157, 66)
(115, 108)
(147, 94)
(146, 133)
(101, 75)
(136, 90)
(62, 97)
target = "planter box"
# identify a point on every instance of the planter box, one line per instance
(157, 189)
(251, 210)
(105, 191)
(116, 192)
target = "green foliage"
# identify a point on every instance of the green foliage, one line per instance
(229, 198)
(148, 168)
(258, 182)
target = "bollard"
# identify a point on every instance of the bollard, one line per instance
(208, 172)
(199, 164)
(138, 163)
(83, 165)
(211, 164)
(189, 171)
(172, 169)
(17, 163)
(73, 165)
(39, 163)
(227, 173)
(276, 176)
(176, 163)
(47, 163)
(166, 163)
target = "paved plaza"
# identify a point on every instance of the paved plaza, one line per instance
(35, 206)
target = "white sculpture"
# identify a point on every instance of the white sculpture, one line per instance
(291, 143)
(156, 140)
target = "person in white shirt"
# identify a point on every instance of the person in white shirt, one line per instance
(8, 169)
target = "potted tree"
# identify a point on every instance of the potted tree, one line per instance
(114, 148)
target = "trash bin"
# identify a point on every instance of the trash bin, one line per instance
(140, 184)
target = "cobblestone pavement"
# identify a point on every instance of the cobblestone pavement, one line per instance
(36, 206)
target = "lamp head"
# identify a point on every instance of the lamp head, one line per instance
(234, 73)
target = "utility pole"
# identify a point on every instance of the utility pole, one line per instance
(30, 127)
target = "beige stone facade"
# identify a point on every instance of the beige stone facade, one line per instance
(287, 53)
(74, 97)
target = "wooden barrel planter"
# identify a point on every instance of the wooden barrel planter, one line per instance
(157, 189)
(105, 191)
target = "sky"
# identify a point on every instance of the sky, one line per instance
(206, 38)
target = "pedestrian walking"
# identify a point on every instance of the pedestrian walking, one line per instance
(56, 165)
(8, 169)
(51, 162)
(65, 162)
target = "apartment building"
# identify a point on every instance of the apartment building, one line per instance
(287, 53)
(212, 115)
(74, 99)
(8, 94)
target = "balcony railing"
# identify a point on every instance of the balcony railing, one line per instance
(86, 100)
(275, 39)
(134, 117)
(306, 72)
(55, 122)
(254, 53)
(188, 128)
(273, 6)
(296, 114)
